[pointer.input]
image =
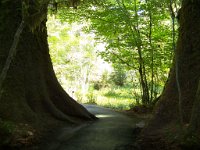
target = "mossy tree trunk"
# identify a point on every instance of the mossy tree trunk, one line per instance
(187, 56)
(195, 118)
(186, 69)
(31, 92)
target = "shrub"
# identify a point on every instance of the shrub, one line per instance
(91, 98)
(118, 77)
(97, 85)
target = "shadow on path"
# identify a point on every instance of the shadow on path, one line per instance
(113, 131)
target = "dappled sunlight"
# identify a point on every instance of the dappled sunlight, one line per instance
(104, 116)
(95, 65)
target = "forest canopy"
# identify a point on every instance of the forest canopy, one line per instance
(139, 35)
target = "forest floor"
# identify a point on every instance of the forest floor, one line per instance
(112, 131)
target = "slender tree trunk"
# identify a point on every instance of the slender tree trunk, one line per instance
(134, 28)
(152, 51)
(142, 69)
(31, 92)
(142, 73)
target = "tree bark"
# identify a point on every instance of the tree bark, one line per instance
(195, 118)
(31, 92)
(187, 55)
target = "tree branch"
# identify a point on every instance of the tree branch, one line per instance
(11, 55)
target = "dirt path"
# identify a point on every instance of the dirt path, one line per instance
(113, 131)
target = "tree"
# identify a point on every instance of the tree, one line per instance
(74, 57)
(180, 102)
(118, 76)
(137, 34)
(30, 92)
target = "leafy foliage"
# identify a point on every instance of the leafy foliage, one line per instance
(118, 76)
(73, 53)
(138, 34)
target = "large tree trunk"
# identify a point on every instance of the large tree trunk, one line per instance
(195, 118)
(187, 67)
(31, 92)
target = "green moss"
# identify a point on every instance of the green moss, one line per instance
(191, 141)
(6, 130)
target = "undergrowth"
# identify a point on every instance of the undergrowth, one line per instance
(119, 98)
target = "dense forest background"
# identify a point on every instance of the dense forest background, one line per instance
(115, 53)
